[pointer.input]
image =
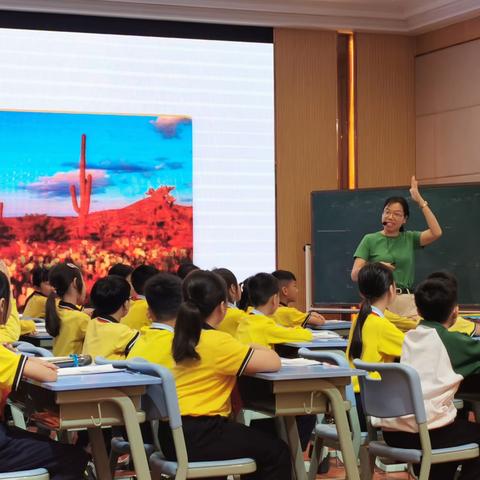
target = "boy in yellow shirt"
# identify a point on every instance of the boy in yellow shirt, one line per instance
(35, 303)
(258, 327)
(286, 315)
(137, 316)
(234, 315)
(105, 336)
(164, 297)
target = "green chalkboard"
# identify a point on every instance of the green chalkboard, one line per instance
(340, 219)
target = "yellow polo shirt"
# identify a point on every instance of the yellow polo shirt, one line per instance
(463, 325)
(11, 331)
(204, 386)
(382, 342)
(259, 329)
(137, 317)
(11, 371)
(232, 319)
(107, 338)
(35, 306)
(73, 326)
(290, 317)
(155, 345)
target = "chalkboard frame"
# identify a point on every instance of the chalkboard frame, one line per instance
(388, 189)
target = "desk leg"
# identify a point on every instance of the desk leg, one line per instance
(137, 450)
(344, 434)
(290, 424)
(99, 451)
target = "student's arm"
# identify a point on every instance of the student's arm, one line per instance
(263, 361)
(434, 231)
(276, 334)
(314, 318)
(391, 340)
(39, 370)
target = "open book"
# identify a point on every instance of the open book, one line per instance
(87, 370)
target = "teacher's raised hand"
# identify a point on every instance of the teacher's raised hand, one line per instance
(414, 193)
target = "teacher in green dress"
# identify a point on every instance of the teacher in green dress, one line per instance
(395, 247)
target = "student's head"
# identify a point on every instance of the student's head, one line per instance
(140, 276)
(121, 270)
(261, 291)
(204, 300)
(185, 268)
(233, 289)
(436, 300)
(287, 284)
(65, 278)
(40, 280)
(5, 305)
(375, 283)
(395, 214)
(110, 296)
(447, 276)
(163, 292)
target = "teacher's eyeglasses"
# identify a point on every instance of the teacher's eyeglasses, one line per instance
(388, 213)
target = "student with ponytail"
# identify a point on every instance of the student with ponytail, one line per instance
(208, 363)
(373, 338)
(66, 322)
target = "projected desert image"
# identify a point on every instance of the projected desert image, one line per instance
(94, 189)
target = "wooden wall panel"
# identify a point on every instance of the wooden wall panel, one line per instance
(455, 34)
(305, 136)
(385, 109)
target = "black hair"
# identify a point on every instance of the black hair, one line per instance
(5, 294)
(39, 275)
(374, 281)
(60, 277)
(229, 278)
(403, 202)
(203, 291)
(284, 276)
(447, 276)
(164, 295)
(140, 276)
(435, 299)
(109, 294)
(185, 268)
(257, 290)
(121, 270)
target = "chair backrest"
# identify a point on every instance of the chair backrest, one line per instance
(25, 347)
(398, 392)
(335, 358)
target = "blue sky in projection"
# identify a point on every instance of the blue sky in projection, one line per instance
(126, 155)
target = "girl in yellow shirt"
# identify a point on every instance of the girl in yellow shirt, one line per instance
(35, 303)
(66, 323)
(207, 364)
(373, 338)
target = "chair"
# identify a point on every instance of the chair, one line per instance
(401, 385)
(325, 434)
(160, 402)
(37, 474)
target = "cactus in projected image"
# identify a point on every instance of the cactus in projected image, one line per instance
(85, 191)
(1, 211)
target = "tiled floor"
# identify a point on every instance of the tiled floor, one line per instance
(338, 473)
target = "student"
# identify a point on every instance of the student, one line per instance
(372, 337)
(105, 336)
(125, 271)
(66, 322)
(234, 315)
(20, 449)
(443, 359)
(461, 324)
(207, 365)
(290, 316)
(258, 327)
(35, 303)
(185, 268)
(164, 296)
(137, 316)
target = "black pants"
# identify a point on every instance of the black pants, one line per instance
(216, 438)
(457, 433)
(22, 450)
(362, 419)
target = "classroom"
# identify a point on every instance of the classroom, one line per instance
(238, 240)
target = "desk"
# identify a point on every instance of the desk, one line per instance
(341, 327)
(43, 340)
(95, 401)
(295, 390)
(335, 311)
(289, 350)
